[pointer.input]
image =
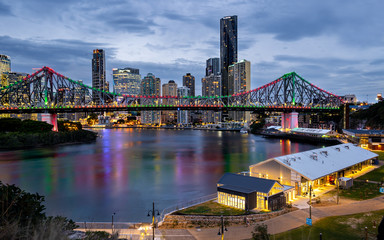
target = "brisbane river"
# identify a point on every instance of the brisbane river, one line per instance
(126, 170)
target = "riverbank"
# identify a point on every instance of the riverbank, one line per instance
(19, 140)
(163, 127)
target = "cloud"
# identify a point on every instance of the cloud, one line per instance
(5, 10)
(65, 56)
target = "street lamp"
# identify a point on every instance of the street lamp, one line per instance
(222, 229)
(112, 222)
(153, 212)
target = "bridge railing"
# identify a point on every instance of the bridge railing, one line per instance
(183, 205)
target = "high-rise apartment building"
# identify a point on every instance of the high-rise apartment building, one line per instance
(169, 89)
(228, 48)
(189, 82)
(5, 68)
(5, 64)
(239, 79)
(150, 86)
(183, 116)
(126, 81)
(98, 76)
(211, 87)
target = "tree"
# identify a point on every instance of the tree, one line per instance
(260, 232)
(20, 208)
(92, 118)
(32, 126)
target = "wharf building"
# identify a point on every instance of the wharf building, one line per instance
(228, 51)
(277, 181)
(98, 76)
(211, 87)
(239, 80)
(183, 116)
(126, 81)
(151, 86)
(169, 89)
(189, 82)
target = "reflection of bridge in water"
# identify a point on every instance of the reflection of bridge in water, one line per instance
(47, 91)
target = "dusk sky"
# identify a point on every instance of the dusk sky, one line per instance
(337, 45)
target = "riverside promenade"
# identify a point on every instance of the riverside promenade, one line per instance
(275, 225)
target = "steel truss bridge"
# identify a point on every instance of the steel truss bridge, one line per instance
(47, 91)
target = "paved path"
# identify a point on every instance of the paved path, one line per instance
(275, 225)
(294, 219)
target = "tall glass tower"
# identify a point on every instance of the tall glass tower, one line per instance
(98, 76)
(228, 48)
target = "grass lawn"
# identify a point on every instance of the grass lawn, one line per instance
(375, 175)
(211, 208)
(361, 191)
(340, 227)
(380, 153)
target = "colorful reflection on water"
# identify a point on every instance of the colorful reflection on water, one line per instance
(127, 169)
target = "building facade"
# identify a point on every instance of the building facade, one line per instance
(228, 48)
(150, 86)
(169, 89)
(183, 116)
(5, 64)
(126, 81)
(211, 87)
(212, 66)
(98, 76)
(189, 82)
(239, 80)
(315, 168)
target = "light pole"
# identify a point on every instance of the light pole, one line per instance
(222, 229)
(112, 223)
(310, 201)
(153, 212)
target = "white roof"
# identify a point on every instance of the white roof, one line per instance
(274, 127)
(320, 162)
(311, 131)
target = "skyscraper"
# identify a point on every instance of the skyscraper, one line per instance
(189, 82)
(150, 86)
(211, 87)
(98, 75)
(239, 79)
(169, 89)
(213, 66)
(126, 81)
(228, 48)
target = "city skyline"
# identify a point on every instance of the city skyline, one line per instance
(338, 47)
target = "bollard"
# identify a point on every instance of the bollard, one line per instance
(321, 236)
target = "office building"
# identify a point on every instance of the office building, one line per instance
(98, 76)
(183, 116)
(212, 67)
(169, 89)
(189, 82)
(126, 81)
(228, 49)
(239, 79)
(150, 86)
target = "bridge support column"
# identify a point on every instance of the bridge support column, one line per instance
(289, 120)
(50, 118)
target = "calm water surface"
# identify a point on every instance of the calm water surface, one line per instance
(127, 169)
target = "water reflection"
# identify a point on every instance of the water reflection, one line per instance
(127, 169)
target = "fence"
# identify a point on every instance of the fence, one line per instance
(183, 205)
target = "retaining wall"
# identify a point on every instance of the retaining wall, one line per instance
(187, 221)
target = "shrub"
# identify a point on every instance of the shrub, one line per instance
(31, 126)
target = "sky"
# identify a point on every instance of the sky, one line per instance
(337, 45)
